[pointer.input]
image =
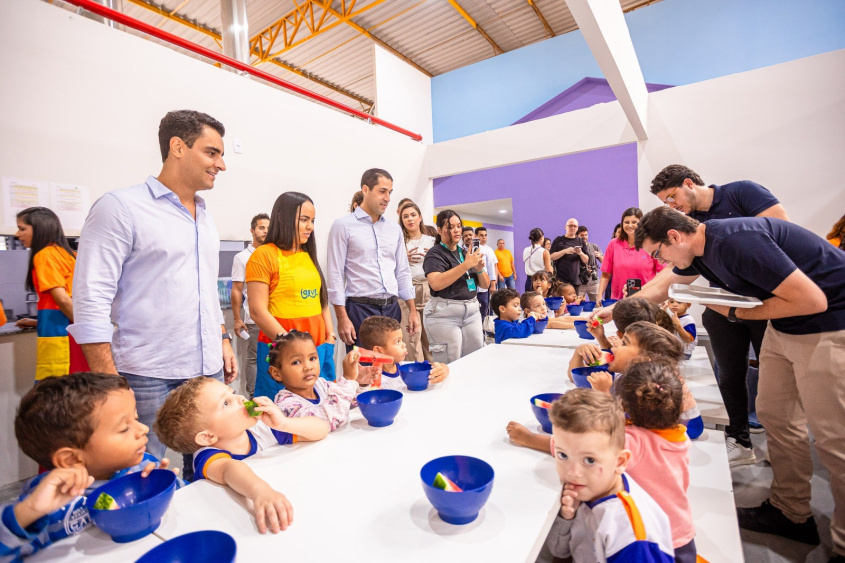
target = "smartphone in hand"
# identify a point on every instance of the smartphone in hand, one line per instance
(633, 285)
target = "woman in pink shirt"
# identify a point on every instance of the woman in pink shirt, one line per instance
(652, 396)
(622, 261)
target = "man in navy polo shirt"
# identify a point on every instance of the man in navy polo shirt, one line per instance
(800, 279)
(679, 187)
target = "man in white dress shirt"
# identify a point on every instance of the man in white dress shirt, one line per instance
(145, 290)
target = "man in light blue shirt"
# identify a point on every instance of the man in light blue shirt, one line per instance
(368, 263)
(145, 287)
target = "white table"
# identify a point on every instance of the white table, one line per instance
(357, 495)
(95, 545)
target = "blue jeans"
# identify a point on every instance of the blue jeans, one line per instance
(150, 394)
(509, 282)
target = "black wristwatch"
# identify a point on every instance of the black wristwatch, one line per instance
(732, 315)
(226, 336)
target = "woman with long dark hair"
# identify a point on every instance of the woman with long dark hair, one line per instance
(286, 287)
(622, 261)
(836, 236)
(417, 243)
(50, 276)
(453, 315)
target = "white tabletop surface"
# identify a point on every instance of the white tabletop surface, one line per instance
(357, 495)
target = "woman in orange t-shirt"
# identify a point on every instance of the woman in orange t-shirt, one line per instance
(50, 276)
(836, 236)
(286, 288)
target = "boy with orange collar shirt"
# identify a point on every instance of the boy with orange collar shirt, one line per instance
(384, 336)
(604, 515)
(84, 429)
(204, 417)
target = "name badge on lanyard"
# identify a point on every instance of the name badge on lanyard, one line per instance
(470, 279)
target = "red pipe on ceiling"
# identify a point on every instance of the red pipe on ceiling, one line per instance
(122, 18)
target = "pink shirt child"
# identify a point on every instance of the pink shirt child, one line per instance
(625, 262)
(660, 464)
(334, 400)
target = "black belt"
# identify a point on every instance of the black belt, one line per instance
(374, 301)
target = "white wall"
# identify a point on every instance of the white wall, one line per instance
(403, 94)
(782, 126)
(82, 105)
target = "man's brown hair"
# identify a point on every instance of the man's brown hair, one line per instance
(61, 412)
(180, 418)
(373, 331)
(586, 410)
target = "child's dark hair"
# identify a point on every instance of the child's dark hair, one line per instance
(525, 300)
(633, 309)
(554, 283)
(274, 358)
(59, 412)
(501, 299)
(373, 331)
(654, 341)
(652, 394)
(559, 288)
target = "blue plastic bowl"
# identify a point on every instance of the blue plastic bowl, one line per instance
(588, 306)
(473, 475)
(540, 326)
(207, 545)
(142, 500)
(380, 406)
(415, 375)
(574, 310)
(554, 303)
(579, 375)
(581, 329)
(608, 302)
(541, 413)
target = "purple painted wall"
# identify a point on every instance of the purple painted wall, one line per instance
(595, 187)
(583, 94)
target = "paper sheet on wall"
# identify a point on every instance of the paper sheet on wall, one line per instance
(18, 194)
(71, 203)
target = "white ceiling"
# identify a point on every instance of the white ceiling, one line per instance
(488, 211)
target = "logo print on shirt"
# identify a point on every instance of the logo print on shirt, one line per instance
(76, 517)
(308, 293)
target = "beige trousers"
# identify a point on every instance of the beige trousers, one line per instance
(802, 383)
(418, 343)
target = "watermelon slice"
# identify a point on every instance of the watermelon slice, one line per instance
(106, 502)
(443, 482)
(542, 404)
(250, 407)
(373, 357)
(606, 358)
(595, 323)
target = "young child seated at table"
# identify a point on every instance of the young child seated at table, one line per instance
(204, 417)
(548, 286)
(294, 362)
(626, 312)
(604, 514)
(384, 336)
(505, 304)
(569, 294)
(652, 395)
(533, 302)
(684, 325)
(650, 341)
(83, 428)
